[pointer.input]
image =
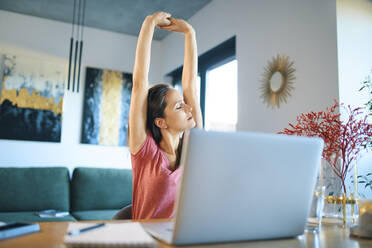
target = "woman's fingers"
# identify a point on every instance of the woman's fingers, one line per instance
(163, 23)
(173, 24)
(167, 27)
(177, 25)
(165, 19)
(162, 18)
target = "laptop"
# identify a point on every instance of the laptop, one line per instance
(240, 186)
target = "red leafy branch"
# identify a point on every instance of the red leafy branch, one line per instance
(342, 139)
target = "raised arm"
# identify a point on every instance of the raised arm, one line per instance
(138, 105)
(189, 76)
(190, 67)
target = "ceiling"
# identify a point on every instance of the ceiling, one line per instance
(122, 16)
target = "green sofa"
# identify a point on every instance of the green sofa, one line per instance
(90, 194)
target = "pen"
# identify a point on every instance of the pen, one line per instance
(78, 231)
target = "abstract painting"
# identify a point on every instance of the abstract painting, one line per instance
(106, 107)
(31, 98)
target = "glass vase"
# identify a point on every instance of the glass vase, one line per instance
(339, 207)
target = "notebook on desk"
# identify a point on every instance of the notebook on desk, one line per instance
(15, 229)
(111, 235)
(239, 186)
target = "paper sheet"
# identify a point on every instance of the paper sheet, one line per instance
(115, 234)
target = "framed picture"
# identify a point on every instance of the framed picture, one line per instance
(31, 98)
(106, 107)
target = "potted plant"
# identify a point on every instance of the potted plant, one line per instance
(343, 141)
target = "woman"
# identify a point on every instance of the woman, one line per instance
(157, 118)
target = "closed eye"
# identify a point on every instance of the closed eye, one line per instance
(179, 104)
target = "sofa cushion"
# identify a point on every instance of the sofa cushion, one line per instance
(30, 217)
(100, 188)
(106, 214)
(32, 189)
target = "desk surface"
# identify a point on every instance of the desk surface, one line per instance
(52, 233)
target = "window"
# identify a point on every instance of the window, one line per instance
(217, 86)
(221, 98)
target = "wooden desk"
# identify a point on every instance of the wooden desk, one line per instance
(52, 233)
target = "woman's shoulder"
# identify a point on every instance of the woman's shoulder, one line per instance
(149, 147)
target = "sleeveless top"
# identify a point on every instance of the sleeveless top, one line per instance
(154, 184)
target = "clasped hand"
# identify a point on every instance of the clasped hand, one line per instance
(164, 20)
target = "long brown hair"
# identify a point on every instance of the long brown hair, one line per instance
(155, 109)
(156, 104)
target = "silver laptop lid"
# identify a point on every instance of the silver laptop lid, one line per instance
(244, 186)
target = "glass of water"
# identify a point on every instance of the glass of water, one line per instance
(317, 209)
(320, 197)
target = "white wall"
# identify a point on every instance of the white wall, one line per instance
(304, 30)
(354, 35)
(31, 35)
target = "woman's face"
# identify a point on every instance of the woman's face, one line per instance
(178, 115)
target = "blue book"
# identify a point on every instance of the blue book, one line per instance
(11, 230)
